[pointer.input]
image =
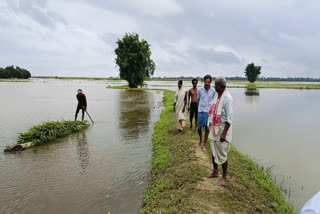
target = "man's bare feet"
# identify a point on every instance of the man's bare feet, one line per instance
(200, 144)
(223, 181)
(204, 148)
(213, 174)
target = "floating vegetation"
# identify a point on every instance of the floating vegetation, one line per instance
(46, 132)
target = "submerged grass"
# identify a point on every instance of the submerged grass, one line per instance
(14, 80)
(77, 78)
(176, 175)
(277, 85)
(50, 131)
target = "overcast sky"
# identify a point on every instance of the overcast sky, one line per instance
(187, 37)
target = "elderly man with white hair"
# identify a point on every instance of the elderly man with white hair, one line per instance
(220, 126)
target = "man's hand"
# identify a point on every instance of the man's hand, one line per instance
(184, 109)
(223, 137)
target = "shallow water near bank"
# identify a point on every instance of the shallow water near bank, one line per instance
(101, 169)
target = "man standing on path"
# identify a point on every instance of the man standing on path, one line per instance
(220, 126)
(82, 104)
(193, 93)
(205, 96)
(179, 106)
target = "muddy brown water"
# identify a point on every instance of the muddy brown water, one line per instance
(101, 169)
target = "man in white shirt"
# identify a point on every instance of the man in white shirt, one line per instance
(220, 126)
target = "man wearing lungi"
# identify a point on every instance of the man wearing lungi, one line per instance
(193, 108)
(205, 95)
(179, 106)
(220, 126)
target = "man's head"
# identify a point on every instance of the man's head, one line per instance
(180, 82)
(79, 91)
(207, 81)
(194, 83)
(220, 84)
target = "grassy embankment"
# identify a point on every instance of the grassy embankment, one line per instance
(76, 78)
(14, 80)
(178, 182)
(45, 133)
(277, 85)
(251, 86)
(238, 83)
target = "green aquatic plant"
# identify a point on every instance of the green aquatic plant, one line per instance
(45, 133)
(50, 131)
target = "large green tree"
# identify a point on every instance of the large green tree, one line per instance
(134, 59)
(252, 72)
(12, 72)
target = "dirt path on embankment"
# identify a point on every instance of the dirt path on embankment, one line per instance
(178, 180)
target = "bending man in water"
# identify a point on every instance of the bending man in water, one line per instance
(205, 96)
(82, 104)
(193, 93)
(179, 106)
(220, 126)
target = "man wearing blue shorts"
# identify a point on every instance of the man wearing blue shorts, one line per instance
(205, 96)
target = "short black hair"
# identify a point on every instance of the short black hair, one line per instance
(206, 77)
(194, 80)
(180, 82)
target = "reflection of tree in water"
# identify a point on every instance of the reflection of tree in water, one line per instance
(82, 151)
(252, 92)
(134, 112)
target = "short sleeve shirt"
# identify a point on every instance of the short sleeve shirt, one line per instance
(205, 99)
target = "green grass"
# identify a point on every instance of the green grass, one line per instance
(14, 80)
(50, 131)
(128, 88)
(277, 85)
(174, 176)
(172, 181)
(119, 87)
(77, 78)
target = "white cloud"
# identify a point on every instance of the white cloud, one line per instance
(156, 8)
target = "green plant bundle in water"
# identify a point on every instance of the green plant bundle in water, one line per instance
(47, 132)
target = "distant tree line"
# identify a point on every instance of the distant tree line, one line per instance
(14, 72)
(283, 79)
(286, 79)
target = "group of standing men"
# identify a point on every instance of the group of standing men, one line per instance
(212, 109)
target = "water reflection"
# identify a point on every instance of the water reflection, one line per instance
(134, 113)
(83, 151)
(252, 92)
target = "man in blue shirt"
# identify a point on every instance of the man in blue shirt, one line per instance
(205, 96)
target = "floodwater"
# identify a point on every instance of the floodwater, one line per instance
(101, 169)
(278, 129)
(105, 167)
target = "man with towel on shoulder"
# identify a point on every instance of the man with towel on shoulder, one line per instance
(220, 126)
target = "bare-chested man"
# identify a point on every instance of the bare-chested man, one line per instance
(193, 108)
